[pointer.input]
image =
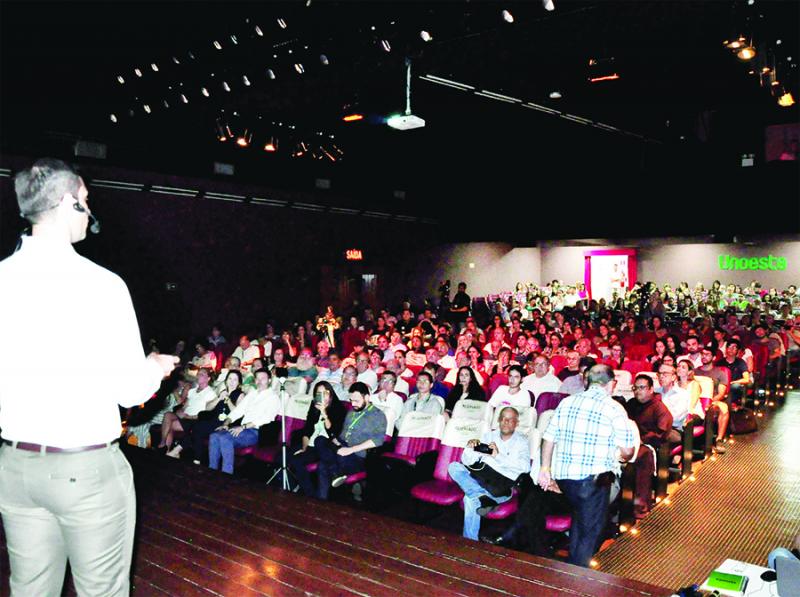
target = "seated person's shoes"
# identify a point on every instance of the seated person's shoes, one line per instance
(487, 505)
(339, 481)
(495, 540)
(719, 446)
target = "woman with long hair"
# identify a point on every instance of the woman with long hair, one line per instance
(466, 388)
(325, 419)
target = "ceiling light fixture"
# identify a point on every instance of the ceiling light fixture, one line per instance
(299, 68)
(746, 52)
(353, 117)
(120, 79)
(387, 47)
(786, 100)
(507, 16)
(548, 5)
(282, 23)
(555, 95)
(154, 66)
(270, 74)
(259, 32)
(407, 120)
(217, 45)
(245, 80)
(184, 99)
(137, 72)
(324, 60)
(271, 145)
(113, 118)
(205, 92)
(244, 139)
(226, 87)
(426, 36)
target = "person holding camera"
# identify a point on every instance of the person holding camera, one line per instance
(489, 468)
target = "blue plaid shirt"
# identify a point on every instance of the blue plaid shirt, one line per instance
(587, 429)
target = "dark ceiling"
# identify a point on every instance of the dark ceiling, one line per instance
(684, 109)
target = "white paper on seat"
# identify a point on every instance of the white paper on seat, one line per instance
(417, 424)
(459, 431)
(470, 409)
(706, 386)
(297, 406)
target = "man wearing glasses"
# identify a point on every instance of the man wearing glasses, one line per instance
(541, 380)
(655, 423)
(675, 398)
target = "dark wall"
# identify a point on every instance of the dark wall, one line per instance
(239, 264)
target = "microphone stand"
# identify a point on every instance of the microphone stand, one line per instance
(282, 470)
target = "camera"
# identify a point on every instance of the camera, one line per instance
(444, 288)
(483, 448)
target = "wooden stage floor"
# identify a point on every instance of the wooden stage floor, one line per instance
(200, 532)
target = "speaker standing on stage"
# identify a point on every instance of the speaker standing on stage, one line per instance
(66, 490)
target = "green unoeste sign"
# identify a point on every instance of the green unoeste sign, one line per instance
(729, 262)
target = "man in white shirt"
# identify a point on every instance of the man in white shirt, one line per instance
(509, 455)
(254, 409)
(541, 380)
(401, 385)
(675, 398)
(513, 394)
(58, 426)
(423, 401)
(333, 373)
(387, 400)
(462, 360)
(692, 352)
(365, 374)
(246, 352)
(446, 360)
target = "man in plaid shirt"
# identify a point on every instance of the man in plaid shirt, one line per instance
(588, 428)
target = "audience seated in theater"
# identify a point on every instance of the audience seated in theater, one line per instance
(176, 390)
(250, 379)
(304, 367)
(325, 419)
(442, 347)
(290, 345)
(403, 370)
(231, 364)
(692, 352)
(240, 427)
(365, 374)
(246, 352)
(659, 350)
(438, 374)
(396, 343)
(740, 376)
(718, 407)
(204, 358)
(655, 424)
(675, 398)
(183, 418)
(466, 388)
(382, 344)
(462, 360)
(353, 336)
(423, 400)
(364, 428)
(216, 339)
(209, 419)
(332, 373)
(673, 345)
(476, 360)
(541, 380)
(684, 373)
(577, 383)
(323, 353)
(512, 394)
(388, 400)
(509, 456)
(280, 366)
(342, 389)
(520, 352)
(573, 366)
(503, 363)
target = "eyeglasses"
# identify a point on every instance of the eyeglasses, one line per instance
(641, 387)
(665, 372)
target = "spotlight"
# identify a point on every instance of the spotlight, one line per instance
(746, 53)
(166, 104)
(548, 5)
(425, 36)
(324, 60)
(205, 92)
(137, 72)
(507, 16)
(120, 79)
(259, 32)
(217, 45)
(736, 44)
(147, 108)
(270, 74)
(555, 95)
(113, 118)
(282, 23)
(245, 80)
(387, 47)
(623, 528)
(271, 145)
(154, 66)
(353, 117)
(244, 139)
(299, 68)
(300, 150)
(234, 40)
(184, 99)
(226, 87)
(175, 60)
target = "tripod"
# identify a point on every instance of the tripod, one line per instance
(282, 469)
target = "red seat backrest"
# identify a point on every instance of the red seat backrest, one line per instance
(447, 454)
(634, 367)
(548, 401)
(558, 362)
(497, 380)
(414, 446)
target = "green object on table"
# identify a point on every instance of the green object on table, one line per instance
(727, 582)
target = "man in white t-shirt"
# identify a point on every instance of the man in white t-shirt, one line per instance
(388, 400)
(246, 352)
(513, 394)
(365, 374)
(541, 380)
(446, 360)
(692, 352)
(675, 398)
(196, 401)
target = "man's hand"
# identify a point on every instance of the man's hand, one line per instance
(222, 428)
(544, 479)
(167, 362)
(235, 431)
(554, 487)
(344, 451)
(495, 450)
(472, 443)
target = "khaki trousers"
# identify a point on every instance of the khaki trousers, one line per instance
(79, 507)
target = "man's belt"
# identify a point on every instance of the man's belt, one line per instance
(30, 447)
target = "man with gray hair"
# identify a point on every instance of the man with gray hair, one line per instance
(66, 490)
(588, 428)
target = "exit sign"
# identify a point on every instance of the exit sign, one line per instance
(354, 255)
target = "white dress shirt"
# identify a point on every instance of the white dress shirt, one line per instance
(370, 378)
(49, 292)
(257, 408)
